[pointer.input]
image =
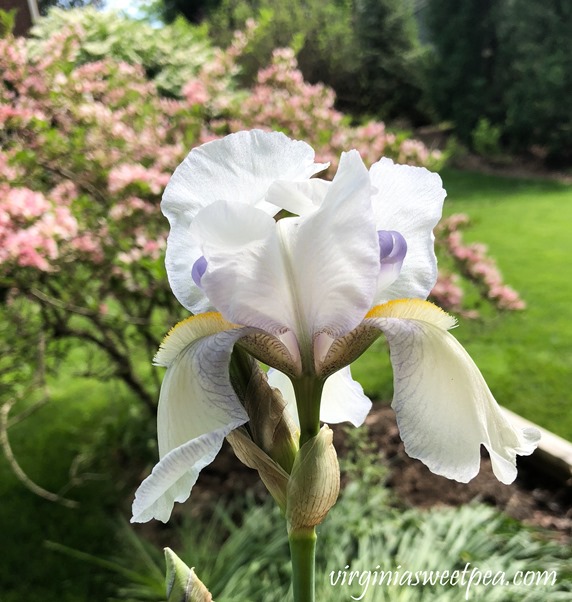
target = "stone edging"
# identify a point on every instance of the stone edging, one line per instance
(554, 453)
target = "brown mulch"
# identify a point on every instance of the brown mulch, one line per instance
(534, 499)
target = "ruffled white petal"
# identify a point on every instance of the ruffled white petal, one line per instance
(304, 274)
(174, 476)
(182, 252)
(408, 200)
(343, 399)
(238, 168)
(299, 198)
(245, 277)
(196, 395)
(445, 410)
(197, 409)
(332, 254)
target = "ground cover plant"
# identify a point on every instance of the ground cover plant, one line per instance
(369, 531)
(64, 444)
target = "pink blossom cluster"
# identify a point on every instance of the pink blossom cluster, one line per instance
(124, 175)
(82, 140)
(32, 228)
(282, 100)
(212, 93)
(143, 248)
(447, 293)
(475, 264)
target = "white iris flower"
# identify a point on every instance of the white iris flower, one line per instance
(307, 294)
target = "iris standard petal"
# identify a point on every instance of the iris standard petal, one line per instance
(332, 255)
(238, 168)
(445, 410)
(299, 198)
(408, 200)
(245, 278)
(343, 399)
(197, 409)
(304, 274)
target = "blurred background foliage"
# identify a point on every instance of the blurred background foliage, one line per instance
(419, 61)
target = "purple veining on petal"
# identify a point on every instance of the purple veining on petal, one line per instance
(198, 270)
(392, 247)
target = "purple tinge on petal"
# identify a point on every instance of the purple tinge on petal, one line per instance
(392, 247)
(392, 251)
(198, 270)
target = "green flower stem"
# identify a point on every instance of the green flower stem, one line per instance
(303, 552)
(308, 390)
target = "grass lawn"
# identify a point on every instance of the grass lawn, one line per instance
(526, 356)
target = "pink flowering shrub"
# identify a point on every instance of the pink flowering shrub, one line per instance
(32, 228)
(472, 262)
(86, 152)
(86, 149)
(282, 100)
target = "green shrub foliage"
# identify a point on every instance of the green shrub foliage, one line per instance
(171, 56)
(96, 112)
(366, 50)
(508, 61)
(535, 75)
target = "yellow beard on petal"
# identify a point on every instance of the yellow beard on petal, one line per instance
(413, 309)
(188, 330)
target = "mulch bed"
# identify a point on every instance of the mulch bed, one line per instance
(534, 498)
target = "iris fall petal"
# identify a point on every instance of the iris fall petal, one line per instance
(197, 409)
(445, 410)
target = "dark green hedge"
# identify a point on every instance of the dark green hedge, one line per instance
(509, 61)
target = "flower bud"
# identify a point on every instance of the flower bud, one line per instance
(274, 477)
(270, 426)
(314, 483)
(183, 585)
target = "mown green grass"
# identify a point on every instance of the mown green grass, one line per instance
(526, 356)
